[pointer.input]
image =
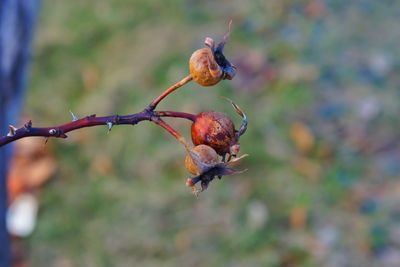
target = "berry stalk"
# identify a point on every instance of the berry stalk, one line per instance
(171, 130)
(176, 114)
(169, 90)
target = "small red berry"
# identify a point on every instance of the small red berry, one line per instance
(217, 130)
(214, 129)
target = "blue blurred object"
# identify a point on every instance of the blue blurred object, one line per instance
(369, 206)
(17, 20)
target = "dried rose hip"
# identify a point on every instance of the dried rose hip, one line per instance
(203, 68)
(217, 130)
(205, 154)
(214, 129)
(207, 66)
(203, 162)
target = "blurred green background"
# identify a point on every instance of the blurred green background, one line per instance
(318, 82)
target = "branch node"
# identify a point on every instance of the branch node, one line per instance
(116, 119)
(154, 117)
(58, 133)
(28, 126)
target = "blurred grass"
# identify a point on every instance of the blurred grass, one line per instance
(119, 199)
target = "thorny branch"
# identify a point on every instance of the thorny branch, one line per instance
(60, 131)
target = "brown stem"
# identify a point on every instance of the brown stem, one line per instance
(169, 90)
(176, 114)
(171, 130)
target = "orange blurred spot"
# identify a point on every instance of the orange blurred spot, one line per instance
(308, 168)
(90, 78)
(302, 137)
(298, 218)
(30, 168)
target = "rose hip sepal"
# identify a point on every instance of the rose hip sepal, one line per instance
(209, 171)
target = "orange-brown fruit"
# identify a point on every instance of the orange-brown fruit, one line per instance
(214, 129)
(208, 65)
(203, 68)
(206, 155)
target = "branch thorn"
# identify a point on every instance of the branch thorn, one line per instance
(12, 130)
(109, 125)
(74, 117)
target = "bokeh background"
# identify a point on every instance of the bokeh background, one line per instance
(318, 81)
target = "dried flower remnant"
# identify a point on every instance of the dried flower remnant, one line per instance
(207, 170)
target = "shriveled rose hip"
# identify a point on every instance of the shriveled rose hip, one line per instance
(203, 68)
(206, 155)
(207, 66)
